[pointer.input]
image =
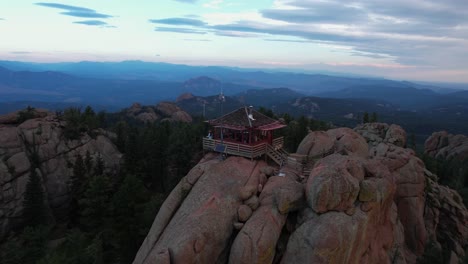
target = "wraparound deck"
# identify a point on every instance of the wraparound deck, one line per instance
(243, 150)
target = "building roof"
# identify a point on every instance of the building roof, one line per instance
(239, 120)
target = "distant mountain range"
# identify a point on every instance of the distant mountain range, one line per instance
(283, 100)
(50, 86)
(342, 100)
(138, 70)
(341, 112)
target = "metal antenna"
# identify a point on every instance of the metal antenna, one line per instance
(204, 103)
(222, 99)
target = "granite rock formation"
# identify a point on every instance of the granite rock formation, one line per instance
(367, 199)
(43, 134)
(447, 146)
(162, 111)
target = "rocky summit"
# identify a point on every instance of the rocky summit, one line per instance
(364, 198)
(42, 136)
(443, 145)
(163, 111)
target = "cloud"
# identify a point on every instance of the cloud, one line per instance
(177, 21)
(214, 4)
(66, 7)
(322, 12)
(75, 11)
(406, 32)
(85, 14)
(311, 33)
(91, 23)
(20, 52)
(2, 18)
(202, 40)
(180, 30)
(187, 1)
(236, 34)
(289, 40)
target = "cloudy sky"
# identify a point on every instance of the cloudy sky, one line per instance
(399, 39)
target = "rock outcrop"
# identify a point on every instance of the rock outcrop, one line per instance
(173, 112)
(161, 112)
(367, 199)
(443, 145)
(16, 117)
(56, 156)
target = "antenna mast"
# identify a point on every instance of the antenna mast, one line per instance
(222, 99)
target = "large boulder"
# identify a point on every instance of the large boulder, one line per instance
(256, 241)
(376, 133)
(353, 205)
(446, 217)
(173, 112)
(408, 171)
(318, 144)
(163, 111)
(201, 228)
(443, 145)
(333, 184)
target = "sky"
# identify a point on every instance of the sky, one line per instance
(398, 39)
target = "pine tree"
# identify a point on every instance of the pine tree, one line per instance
(128, 210)
(95, 204)
(26, 248)
(121, 132)
(34, 212)
(79, 172)
(412, 141)
(78, 183)
(34, 244)
(90, 119)
(74, 123)
(373, 117)
(132, 151)
(88, 162)
(365, 118)
(99, 167)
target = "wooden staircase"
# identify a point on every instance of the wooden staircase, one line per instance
(279, 156)
(283, 158)
(300, 163)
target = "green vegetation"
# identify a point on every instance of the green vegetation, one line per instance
(79, 122)
(27, 247)
(433, 254)
(110, 213)
(452, 172)
(369, 119)
(26, 114)
(35, 212)
(365, 118)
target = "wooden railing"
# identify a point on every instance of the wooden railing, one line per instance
(238, 149)
(235, 148)
(278, 143)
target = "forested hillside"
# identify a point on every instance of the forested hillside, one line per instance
(107, 211)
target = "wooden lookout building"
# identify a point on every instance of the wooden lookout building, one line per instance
(246, 132)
